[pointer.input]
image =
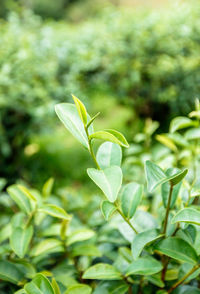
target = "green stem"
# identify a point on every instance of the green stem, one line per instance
(168, 209)
(126, 219)
(91, 149)
(98, 167)
(183, 278)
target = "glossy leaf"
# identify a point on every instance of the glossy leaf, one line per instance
(187, 215)
(165, 189)
(144, 266)
(68, 115)
(10, 272)
(193, 134)
(40, 284)
(180, 122)
(20, 239)
(102, 271)
(80, 235)
(81, 109)
(131, 198)
(154, 175)
(47, 187)
(79, 288)
(21, 198)
(54, 211)
(55, 287)
(178, 249)
(109, 154)
(47, 246)
(107, 209)
(143, 239)
(108, 180)
(111, 136)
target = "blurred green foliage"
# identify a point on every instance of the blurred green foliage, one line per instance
(146, 60)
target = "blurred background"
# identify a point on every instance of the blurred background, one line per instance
(135, 61)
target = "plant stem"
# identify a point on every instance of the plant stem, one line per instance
(183, 278)
(98, 167)
(168, 209)
(126, 219)
(91, 149)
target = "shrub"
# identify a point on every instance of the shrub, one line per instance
(137, 251)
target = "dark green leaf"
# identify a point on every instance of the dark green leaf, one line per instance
(144, 266)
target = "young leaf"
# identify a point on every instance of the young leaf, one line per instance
(79, 288)
(47, 246)
(176, 178)
(21, 198)
(180, 122)
(131, 198)
(108, 180)
(187, 215)
(102, 271)
(165, 140)
(193, 134)
(68, 115)
(10, 272)
(81, 109)
(109, 154)
(107, 209)
(166, 188)
(54, 211)
(154, 175)
(47, 187)
(144, 266)
(55, 287)
(80, 235)
(178, 249)
(143, 239)
(111, 136)
(20, 239)
(40, 284)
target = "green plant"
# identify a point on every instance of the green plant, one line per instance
(45, 249)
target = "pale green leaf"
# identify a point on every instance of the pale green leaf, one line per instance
(146, 265)
(20, 239)
(180, 122)
(102, 271)
(80, 235)
(54, 211)
(107, 209)
(109, 154)
(39, 285)
(47, 187)
(111, 136)
(108, 180)
(187, 215)
(20, 198)
(81, 109)
(79, 289)
(47, 246)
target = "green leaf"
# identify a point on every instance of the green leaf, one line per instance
(144, 266)
(47, 246)
(180, 122)
(55, 287)
(102, 271)
(109, 154)
(166, 188)
(107, 209)
(54, 211)
(20, 239)
(68, 115)
(131, 198)
(165, 140)
(154, 175)
(193, 134)
(86, 250)
(81, 109)
(111, 136)
(108, 180)
(47, 187)
(10, 272)
(92, 119)
(176, 178)
(80, 235)
(79, 289)
(39, 285)
(21, 198)
(178, 249)
(187, 215)
(143, 239)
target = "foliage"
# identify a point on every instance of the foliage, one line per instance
(51, 244)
